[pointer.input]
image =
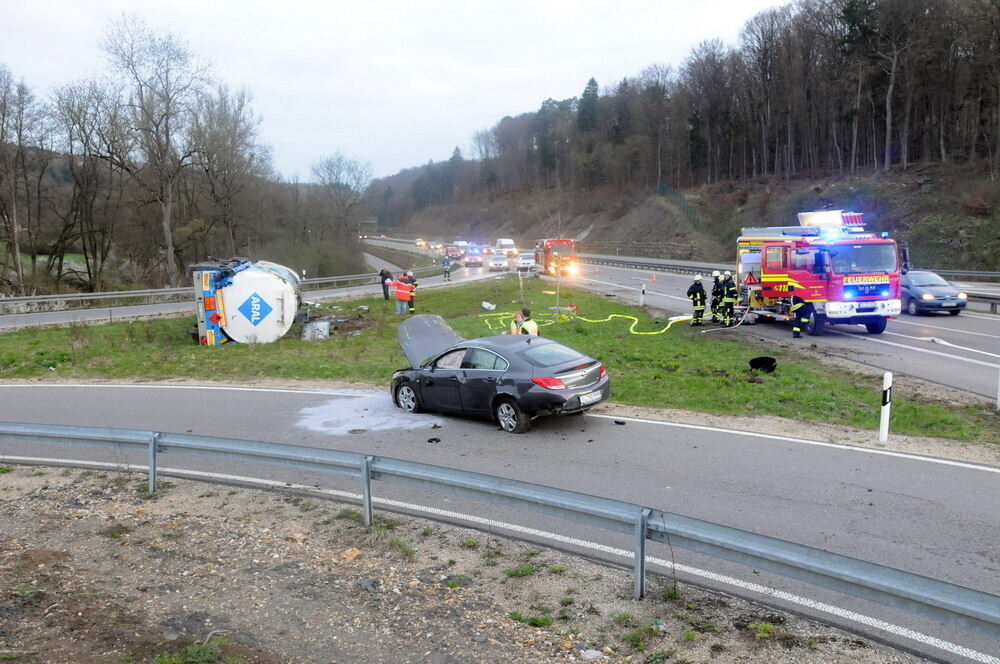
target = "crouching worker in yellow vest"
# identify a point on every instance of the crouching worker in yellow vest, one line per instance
(522, 323)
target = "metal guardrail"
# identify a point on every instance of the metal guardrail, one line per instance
(945, 602)
(314, 283)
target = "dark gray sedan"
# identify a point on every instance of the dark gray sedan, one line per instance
(510, 379)
(924, 291)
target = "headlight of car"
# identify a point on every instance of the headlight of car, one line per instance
(926, 296)
(963, 296)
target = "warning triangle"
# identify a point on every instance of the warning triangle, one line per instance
(750, 279)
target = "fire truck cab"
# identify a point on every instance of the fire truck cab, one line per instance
(556, 256)
(830, 260)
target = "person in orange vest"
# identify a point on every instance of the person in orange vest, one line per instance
(410, 279)
(404, 293)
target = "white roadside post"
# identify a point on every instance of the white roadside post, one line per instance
(642, 303)
(883, 429)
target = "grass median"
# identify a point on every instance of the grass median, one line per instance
(680, 368)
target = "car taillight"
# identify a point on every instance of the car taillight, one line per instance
(602, 372)
(549, 383)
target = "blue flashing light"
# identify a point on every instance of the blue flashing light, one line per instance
(885, 293)
(885, 234)
(849, 294)
(830, 231)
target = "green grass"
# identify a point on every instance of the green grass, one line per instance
(679, 369)
(520, 570)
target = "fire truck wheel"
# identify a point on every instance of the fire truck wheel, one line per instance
(816, 324)
(876, 326)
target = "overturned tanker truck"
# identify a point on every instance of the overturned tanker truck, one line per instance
(244, 301)
(848, 274)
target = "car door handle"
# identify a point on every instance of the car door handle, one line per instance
(490, 379)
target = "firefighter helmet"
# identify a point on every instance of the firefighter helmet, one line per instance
(716, 273)
(727, 273)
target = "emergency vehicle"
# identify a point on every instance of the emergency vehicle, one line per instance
(830, 260)
(556, 256)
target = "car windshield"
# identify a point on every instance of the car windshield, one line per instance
(862, 258)
(926, 279)
(549, 354)
(527, 257)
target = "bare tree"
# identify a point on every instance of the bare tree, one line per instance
(163, 84)
(345, 183)
(224, 136)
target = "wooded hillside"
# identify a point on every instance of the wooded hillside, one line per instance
(818, 89)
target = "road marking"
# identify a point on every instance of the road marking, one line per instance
(896, 321)
(632, 288)
(804, 441)
(939, 340)
(307, 390)
(966, 314)
(699, 427)
(918, 350)
(820, 607)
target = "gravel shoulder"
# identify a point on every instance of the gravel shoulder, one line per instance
(93, 570)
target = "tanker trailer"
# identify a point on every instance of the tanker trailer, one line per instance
(244, 301)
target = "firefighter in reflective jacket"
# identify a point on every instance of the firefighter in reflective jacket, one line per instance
(729, 295)
(696, 293)
(802, 311)
(410, 279)
(716, 295)
(404, 293)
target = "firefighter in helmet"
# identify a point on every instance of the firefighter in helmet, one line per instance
(716, 295)
(729, 295)
(696, 293)
(802, 312)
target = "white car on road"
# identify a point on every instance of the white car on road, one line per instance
(525, 262)
(498, 263)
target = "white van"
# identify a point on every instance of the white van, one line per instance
(506, 246)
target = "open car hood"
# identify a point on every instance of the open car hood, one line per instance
(424, 336)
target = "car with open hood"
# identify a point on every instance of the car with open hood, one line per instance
(511, 379)
(924, 291)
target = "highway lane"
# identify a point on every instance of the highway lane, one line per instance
(110, 314)
(968, 359)
(894, 509)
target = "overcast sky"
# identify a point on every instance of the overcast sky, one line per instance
(393, 83)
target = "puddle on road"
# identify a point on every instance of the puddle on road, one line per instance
(361, 410)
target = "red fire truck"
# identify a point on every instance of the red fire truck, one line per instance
(556, 257)
(830, 260)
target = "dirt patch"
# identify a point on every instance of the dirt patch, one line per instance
(287, 578)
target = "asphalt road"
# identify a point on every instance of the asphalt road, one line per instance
(962, 351)
(892, 509)
(109, 314)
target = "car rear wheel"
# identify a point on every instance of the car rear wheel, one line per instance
(911, 308)
(510, 417)
(407, 399)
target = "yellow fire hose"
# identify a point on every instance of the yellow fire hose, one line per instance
(501, 320)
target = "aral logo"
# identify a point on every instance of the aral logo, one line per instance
(255, 309)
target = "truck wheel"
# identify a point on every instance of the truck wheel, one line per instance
(407, 399)
(816, 324)
(510, 417)
(876, 326)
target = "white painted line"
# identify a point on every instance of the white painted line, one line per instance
(966, 314)
(803, 441)
(664, 423)
(632, 288)
(897, 321)
(332, 393)
(820, 607)
(918, 350)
